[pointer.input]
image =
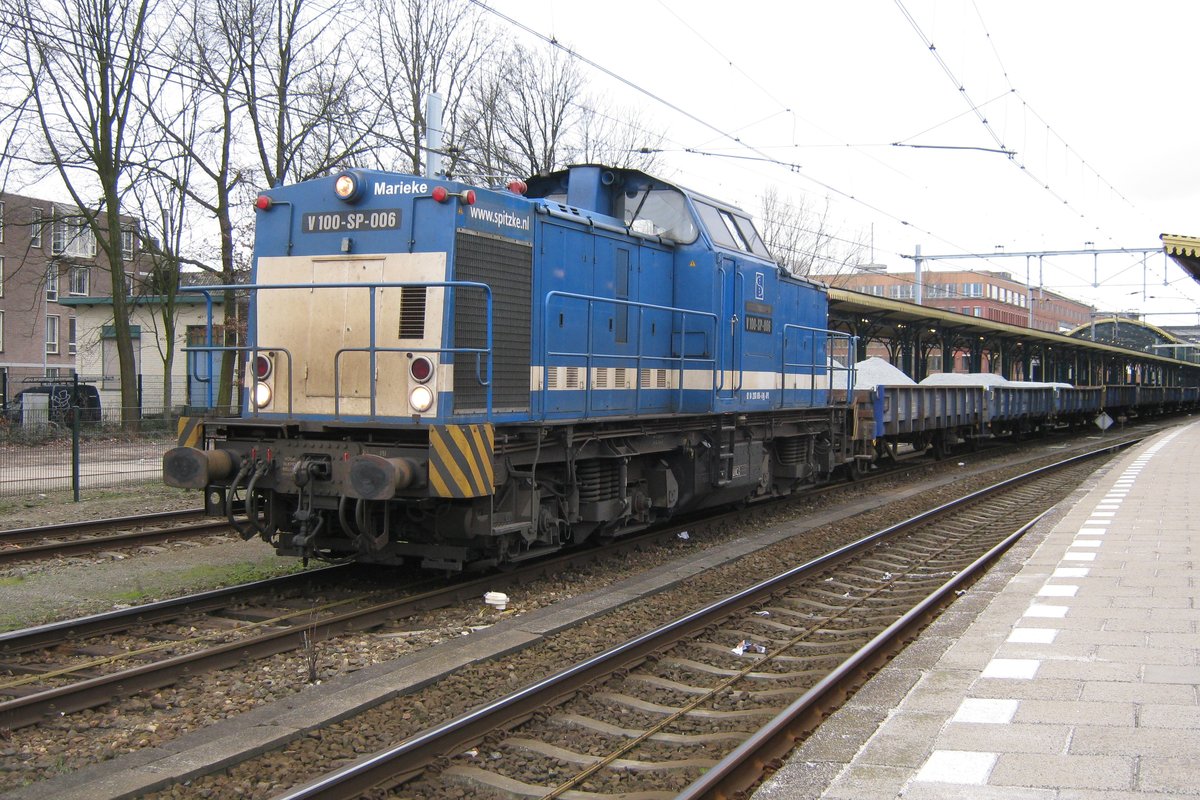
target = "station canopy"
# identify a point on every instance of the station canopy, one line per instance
(1185, 250)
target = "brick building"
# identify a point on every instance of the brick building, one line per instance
(994, 296)
(47, 254)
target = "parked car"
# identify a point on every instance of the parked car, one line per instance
(60, 400)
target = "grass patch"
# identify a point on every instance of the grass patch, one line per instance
(133, 490)
(227, 575)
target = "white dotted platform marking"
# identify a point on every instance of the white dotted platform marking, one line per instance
(1032, 635)
(1019, 669)
(988, 712)
(1056, 590)
(957, 766)
(1045, 611)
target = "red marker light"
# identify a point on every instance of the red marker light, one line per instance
(518, 187)
(469, 197)
(263, 203)
(440, 194)
(421, 369)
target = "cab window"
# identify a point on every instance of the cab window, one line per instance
(658, 211)
(731, 231)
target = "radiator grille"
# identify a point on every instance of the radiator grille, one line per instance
(412, 312)
(507, 267)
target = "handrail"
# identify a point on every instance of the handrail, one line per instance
(254, 379)
(372, 349)
(737, 354)
(590, 356)
(814, 368)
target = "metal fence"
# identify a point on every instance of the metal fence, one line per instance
(45, 448)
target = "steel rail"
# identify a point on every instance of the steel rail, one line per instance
(92, 544)
(32, 708)
(410, 757)
(43, 531)
(744, 767)
(53, 633)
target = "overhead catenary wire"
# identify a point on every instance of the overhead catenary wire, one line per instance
(797, 169)
(976, 109)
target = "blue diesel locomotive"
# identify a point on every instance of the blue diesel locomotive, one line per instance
(467, 376)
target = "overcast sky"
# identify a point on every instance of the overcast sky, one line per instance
(1098, 100)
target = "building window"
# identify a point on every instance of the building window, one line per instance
(73, 237)
(1, 221)
(127, 243)
(52, 334)
(80, 281)
(1, 276)
(52, 282)
(978, 311)
(1, 331)
(71, 328)
(35, 229)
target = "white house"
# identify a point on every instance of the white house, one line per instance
(96, 353)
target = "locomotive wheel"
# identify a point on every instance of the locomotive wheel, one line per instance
(857, 469)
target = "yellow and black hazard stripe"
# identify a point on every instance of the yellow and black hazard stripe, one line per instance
(460, 460)
(190, 430)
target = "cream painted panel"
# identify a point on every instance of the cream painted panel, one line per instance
(315, 323)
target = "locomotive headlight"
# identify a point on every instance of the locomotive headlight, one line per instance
(348, 187)
(262, 395)
(421, 399)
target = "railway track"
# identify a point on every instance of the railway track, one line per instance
(683, 710)
(87, 538)
(68, 666)
(72, 665)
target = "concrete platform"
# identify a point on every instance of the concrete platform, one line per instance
(1070, 671)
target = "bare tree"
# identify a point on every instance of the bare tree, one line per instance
(616, 136)
(531, 114)
(423, 46)
(481, 142)
(803, 240)
(163, 208)
(197, 136)
(540, 110)
(295, 80)
(81, 60)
